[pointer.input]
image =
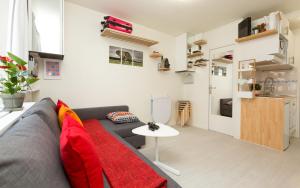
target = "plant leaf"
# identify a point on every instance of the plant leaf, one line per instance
(18, 60)
(31, 80)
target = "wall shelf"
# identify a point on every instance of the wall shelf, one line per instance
(274, 67)
(257, 36)
(223, 60)
(200, 42)
(185, 71)
(163, 69)
(128, 37)
(156, 55)
(197, 54)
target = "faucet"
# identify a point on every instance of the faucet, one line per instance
(268, 86)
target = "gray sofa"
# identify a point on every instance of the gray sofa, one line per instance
(124, 130)
(29, 154)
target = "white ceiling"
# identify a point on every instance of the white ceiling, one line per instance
(177, 16)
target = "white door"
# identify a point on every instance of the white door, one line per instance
(221, 90)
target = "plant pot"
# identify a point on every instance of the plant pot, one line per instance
(12, 102)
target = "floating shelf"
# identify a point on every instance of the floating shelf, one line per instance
(256, 36)
(223, 60)
(155, 55)
(200, 65)
(127, 37)
(195, 54)
(200, 42)
(184, 71)
(274, 67)
(163, 69)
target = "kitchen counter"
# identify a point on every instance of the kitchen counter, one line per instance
(278, 96)
(265, 121)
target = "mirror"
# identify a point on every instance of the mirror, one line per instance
(47, 26)
(221, 82)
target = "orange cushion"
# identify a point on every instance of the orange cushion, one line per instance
(60, 104)
(66, 110)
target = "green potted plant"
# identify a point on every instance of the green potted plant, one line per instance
(15, 83)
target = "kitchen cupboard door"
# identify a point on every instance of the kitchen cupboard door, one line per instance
(272, 112)
(250, 118)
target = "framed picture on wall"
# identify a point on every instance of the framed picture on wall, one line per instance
(137, 58)
(52, 69)
(114, 55)
(127, 55)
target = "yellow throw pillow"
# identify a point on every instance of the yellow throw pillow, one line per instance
(66, 110)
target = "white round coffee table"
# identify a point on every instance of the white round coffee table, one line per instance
(163, 131)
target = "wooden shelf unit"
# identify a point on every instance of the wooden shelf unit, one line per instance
(197, 54)
(128, 37)
(257, 36)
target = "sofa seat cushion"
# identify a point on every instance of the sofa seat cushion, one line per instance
(29, 156)
(124, 130)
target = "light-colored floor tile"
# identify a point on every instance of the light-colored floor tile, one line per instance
(212, 160)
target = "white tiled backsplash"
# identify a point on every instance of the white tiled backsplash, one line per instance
(285, 82)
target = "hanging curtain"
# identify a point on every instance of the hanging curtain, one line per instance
(18, 33)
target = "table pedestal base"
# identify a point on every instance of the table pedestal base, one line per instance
(160, 164)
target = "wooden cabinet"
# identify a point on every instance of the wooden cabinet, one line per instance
(264, 121)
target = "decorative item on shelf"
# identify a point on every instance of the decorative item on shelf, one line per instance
(190, 64)
(184, 112)
(164, 65)
(116, 24)
(256, 88)
(259, 28)
(16, 82)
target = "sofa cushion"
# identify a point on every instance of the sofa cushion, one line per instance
(66, 110)
(29, 156)
(122, 117)
(60, 104)
(124, 130)
(46, 110)
(79, 156)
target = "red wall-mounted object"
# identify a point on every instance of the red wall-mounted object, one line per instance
(116, 24)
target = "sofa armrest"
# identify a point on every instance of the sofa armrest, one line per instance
(98, 112)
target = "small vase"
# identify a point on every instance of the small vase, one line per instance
(13, 102)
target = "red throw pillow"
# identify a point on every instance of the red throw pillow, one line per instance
(79, 156)
(59, 104)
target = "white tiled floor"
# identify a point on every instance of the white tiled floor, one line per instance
(212, 160)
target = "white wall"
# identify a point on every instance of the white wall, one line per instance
(297, 64)
(4, 4)
(197, 93)
(89, 80)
